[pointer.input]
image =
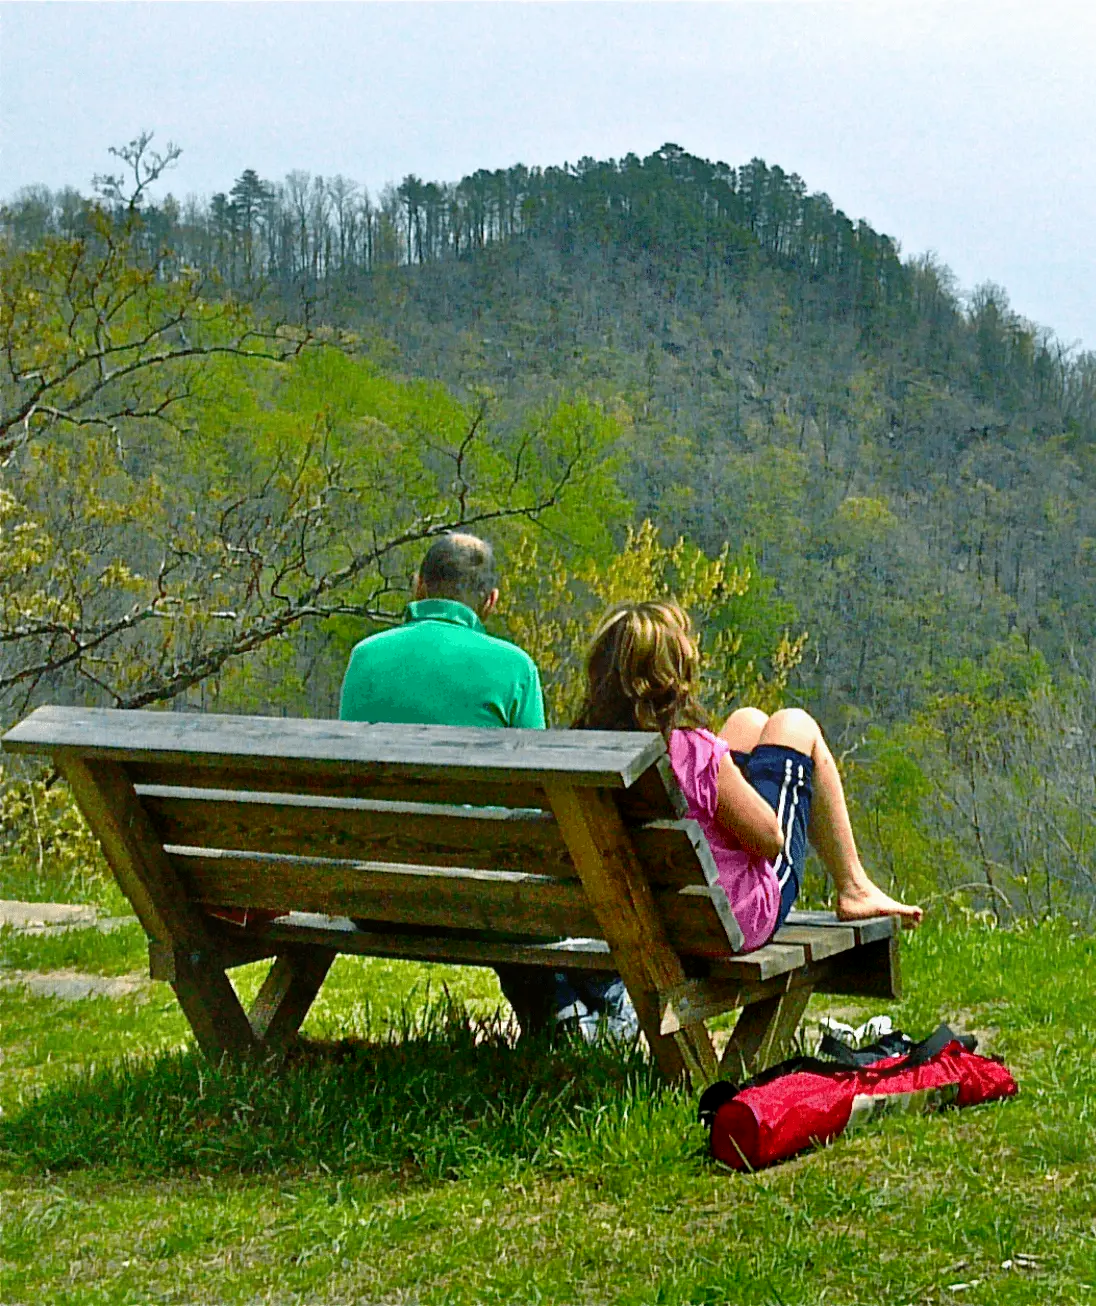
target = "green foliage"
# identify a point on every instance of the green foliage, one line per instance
(47, 852)
(985, 801)
(552, 609)
(184, 488)
(97, 332)
(712, 350)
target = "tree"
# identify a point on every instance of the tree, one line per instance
(87, 323)
(143, 167)
(553, 609)
(249, 196)
(182, 486)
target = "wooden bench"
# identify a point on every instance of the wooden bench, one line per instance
(542, 849)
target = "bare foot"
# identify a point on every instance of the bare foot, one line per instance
(858, 902)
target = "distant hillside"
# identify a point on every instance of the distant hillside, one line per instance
(915, 474)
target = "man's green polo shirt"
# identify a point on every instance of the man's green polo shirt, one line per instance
(442, 668)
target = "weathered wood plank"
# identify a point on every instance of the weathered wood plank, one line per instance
(655, 795)
(869, 972)
(623, 902)
(335, 781)
(287, 993)
(817, 942)
(879, 927)
(674, 854)
(697, 1000)
(113, 811)
(498, 901)
(761, 964)
(503, 902)
(763, 1031)
(359, 829)
(599, 758)
(572, 954)
(866, 931)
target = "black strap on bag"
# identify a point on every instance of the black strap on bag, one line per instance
(895, 1044)
(841, 1060)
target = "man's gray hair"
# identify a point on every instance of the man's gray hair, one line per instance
(460, 567)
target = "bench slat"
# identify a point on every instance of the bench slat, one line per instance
(263, 824)
(866, 931)
(818, 942)
(674, 853)
(598, 758)
(655, 796)
(499, 902)
(578, 954)
(762, 964)
(738, 978)
(337, 782)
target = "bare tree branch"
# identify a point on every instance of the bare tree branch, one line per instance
(144, 167)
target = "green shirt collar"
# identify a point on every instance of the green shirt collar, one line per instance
(457, 614)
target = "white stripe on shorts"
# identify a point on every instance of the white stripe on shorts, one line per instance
(781, 856)
(783, 864)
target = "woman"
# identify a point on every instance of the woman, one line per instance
(759, 788)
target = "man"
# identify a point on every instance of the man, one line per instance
(441, 667)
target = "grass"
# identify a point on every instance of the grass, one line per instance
(23, 880)
(121, 951)
(418, 1157)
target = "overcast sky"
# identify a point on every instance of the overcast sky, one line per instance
(968, 128)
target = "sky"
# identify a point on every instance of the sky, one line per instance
(965, 128)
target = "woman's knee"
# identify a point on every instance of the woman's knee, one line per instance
(793, 728)
(743, 728)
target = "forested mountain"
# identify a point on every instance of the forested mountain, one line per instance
(914, 472)
(909, 473)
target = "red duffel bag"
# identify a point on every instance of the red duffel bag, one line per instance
(807, 1101)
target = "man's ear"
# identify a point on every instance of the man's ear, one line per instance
(418, 590)
(489, 603)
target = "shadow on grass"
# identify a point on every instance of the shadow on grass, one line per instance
(439, 1095)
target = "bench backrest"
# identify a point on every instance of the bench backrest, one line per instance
(423, 826)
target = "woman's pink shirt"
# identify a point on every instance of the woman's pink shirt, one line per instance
(747, 878)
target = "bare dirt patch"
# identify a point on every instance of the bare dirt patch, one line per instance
(74, 985)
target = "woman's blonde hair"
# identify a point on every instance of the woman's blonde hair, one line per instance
(642, 671)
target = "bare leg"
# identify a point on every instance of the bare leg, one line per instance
(830, 829)
(742, 729)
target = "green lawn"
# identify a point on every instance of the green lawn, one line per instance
(413, 1155)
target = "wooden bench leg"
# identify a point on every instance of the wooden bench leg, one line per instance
(211, 1006)
(286, 995)
(762, 1032)
(182, 950)
(620, 895)
(206, 996)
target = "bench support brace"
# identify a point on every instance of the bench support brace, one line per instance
(620, 895)
(286, 995)
(763, 1031)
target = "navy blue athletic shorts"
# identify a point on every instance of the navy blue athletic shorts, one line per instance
(782, 776)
